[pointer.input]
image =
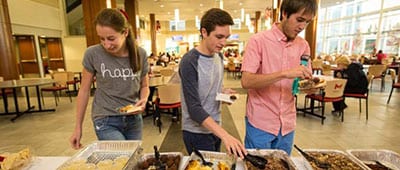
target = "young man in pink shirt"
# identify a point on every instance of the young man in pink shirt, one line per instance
(271, 63)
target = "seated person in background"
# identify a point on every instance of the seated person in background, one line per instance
(380, 56)
(356, 80)
(363, 59)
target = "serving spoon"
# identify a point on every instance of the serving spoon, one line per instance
(317, 162)
(205, 163)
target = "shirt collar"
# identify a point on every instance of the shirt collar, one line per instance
(279, 35)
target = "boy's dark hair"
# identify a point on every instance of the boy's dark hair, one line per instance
(292, 6)
(214, 17)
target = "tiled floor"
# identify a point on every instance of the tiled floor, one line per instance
(48, 133)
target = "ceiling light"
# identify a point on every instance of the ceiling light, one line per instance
(242, 15)
(162, 6)
(176, 15)
(201, 4)
(275, 4)
(240, 4)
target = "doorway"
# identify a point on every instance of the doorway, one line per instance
(26, 55)
(52, 53)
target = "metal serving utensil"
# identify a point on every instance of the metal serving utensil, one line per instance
(255, 160)
(159, 165)
(319, 163)
(205, 163)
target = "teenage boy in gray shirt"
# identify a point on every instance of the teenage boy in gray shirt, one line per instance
(201, 71)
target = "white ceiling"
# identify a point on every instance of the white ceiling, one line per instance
(188, 9)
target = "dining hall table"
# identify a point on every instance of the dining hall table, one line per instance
(25, 83)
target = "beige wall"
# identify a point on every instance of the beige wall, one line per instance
(74, 49)
(29, 17)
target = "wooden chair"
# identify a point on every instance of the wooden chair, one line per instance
(395, 85)
(72, 80)
(378, 71)
(6, 91)
(233, 69)
(316, 66)
(166, 73)
(362, 96)
(333, 92)
(326, 69)
(168, 97)
(61, 79)
(156, 69)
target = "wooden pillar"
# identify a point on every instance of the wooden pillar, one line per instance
(276, 11)
(132, 9)
(311, 34)
(8, 59)
(90, 9)
(257, 21)
(153, 33)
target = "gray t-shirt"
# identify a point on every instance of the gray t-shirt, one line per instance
(201, 79)
(117, 85)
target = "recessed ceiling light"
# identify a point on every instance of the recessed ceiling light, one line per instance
(162, 6)
(201, 4)
(240, 4)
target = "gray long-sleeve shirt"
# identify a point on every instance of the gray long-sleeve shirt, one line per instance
(201, 79)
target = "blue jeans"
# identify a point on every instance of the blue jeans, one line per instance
(259, 139)
(119, 127)
(206, 142)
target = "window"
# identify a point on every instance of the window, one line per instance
(390, 3)
(237, 24)
(177, 25)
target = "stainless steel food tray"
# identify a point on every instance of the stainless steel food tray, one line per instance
(151, 155)
(356, 161)
(103, 150)
(213, 157)
(274, 153)
(386, 157)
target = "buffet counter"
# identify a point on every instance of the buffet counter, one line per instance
(52, 163)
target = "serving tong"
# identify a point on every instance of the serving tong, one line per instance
(317, 162)
(158, 164)
(257, 161)
(198, 153)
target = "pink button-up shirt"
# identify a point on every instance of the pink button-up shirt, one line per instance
(272, 107)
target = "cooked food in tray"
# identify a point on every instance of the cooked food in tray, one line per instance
(377, 166)
(219, 160)
(17, 160)
(276, 160)
(273, 163)
(116, 164)
(106, 154)
(171, 161)
(377, 159)
(197, 165)
(336, 161)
